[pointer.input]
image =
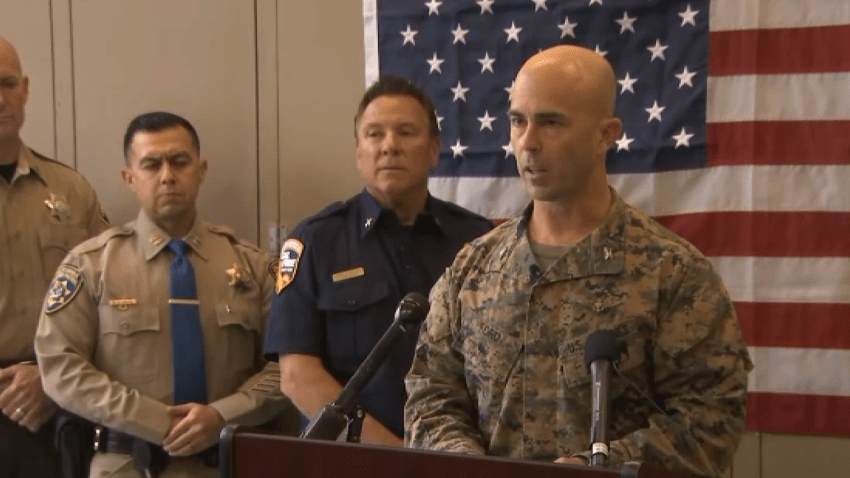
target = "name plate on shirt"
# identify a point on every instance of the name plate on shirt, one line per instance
(349, 274)
(123, 303)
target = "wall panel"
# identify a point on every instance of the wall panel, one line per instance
(792, 456)
(321, 76)
(27, 24)
(192, 57)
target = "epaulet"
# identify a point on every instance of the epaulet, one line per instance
(330, 210)
(101, 239)
(222, 230)
(49, 160)
(230, 234)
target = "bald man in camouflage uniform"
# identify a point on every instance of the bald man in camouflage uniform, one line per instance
(499, 366)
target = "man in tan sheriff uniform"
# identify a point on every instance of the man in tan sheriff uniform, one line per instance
(107, 340)
(46, 208)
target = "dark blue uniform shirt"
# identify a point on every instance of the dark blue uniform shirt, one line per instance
(341, 320)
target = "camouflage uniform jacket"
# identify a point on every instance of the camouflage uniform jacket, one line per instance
(499, 364)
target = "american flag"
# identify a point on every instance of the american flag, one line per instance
(736, 135)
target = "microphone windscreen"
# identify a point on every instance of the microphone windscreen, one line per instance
(602, 345)
(413, 308)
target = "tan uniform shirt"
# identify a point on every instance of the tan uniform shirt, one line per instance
(46, 210)
(106, 353)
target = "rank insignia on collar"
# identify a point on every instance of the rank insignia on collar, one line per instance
(236, 276)
(58, 206)
(66, 283)
(290, 255)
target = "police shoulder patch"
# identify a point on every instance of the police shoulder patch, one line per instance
(66, 283)
(290, 255)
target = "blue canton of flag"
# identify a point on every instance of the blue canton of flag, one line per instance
(466, 54)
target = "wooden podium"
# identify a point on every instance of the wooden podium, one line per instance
(248, 454)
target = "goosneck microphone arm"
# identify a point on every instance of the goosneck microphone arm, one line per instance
(334, 417)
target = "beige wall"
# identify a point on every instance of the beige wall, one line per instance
(271, 86)
(271, 94)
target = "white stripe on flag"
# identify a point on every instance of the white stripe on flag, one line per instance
(786, 279)
(370, 40)
(778, 97)
(722, 188)
(793, 370)
(737, 188)
(495, 198)
(753, 14)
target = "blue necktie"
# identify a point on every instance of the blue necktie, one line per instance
(187, 339)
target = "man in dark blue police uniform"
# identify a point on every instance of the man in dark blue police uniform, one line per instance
(344, 270)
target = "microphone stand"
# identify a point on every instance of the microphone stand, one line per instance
(601, 352)
(345, 411)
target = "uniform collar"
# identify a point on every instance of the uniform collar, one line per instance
(601, 252)
(372, 213)
(154, 239)
(28, 163)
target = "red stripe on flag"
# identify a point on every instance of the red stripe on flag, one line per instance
(765, 234)
(792, 413)
(778, 142)
(798, 325)
(781, 50)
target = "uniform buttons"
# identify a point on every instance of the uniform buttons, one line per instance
(125, 326)
(597, 306)
(351, 301)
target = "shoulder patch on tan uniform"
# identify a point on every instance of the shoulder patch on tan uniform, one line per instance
(290, 256)
(64, 287)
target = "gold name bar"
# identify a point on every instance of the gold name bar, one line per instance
(123, 302)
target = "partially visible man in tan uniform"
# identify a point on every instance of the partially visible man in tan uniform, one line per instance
(108, 342)
(46, 208)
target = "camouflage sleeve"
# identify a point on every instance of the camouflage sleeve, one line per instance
(700, 370)
(439, 413)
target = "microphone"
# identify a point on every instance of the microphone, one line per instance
(334, 416)
(601, 350)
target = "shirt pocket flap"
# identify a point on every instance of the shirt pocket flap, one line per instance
(129, 320)
(242, 313)
(352, 295)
